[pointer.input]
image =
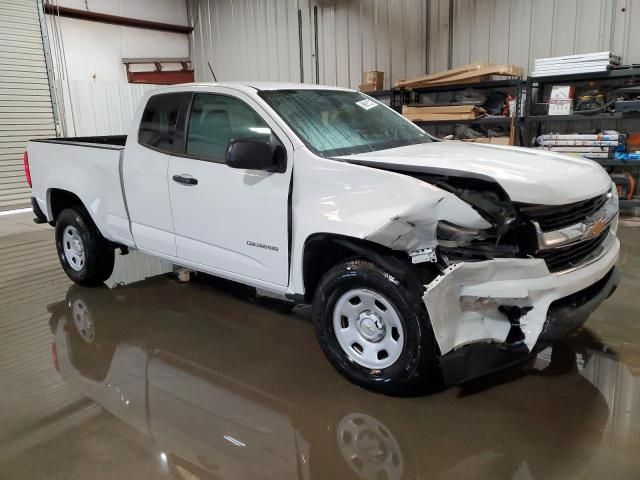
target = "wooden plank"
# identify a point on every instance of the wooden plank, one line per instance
(495, 70)
(440, 75)
(440, 116)
(489, 140)
(475, 75)
(448, 109)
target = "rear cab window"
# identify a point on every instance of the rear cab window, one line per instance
(160, 119)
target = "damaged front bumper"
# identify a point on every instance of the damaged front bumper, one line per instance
(475, 333)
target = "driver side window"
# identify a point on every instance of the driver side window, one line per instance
(215, 120)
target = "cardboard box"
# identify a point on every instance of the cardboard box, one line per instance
(374, 79)
(561, 100)
(367, 87)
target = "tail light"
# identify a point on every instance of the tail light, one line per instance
(54, 356)
(27, 172)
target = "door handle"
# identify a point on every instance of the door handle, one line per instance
(185, 179)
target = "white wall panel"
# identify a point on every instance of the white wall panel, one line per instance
(100, 108)
(87, 50)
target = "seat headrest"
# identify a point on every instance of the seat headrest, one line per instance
(216, 123)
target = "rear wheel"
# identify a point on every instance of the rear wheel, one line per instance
(374, 329)
(85, 255)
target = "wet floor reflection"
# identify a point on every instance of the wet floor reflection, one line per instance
(201, 380)
(229, 388)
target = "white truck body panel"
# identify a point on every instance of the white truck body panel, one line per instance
(75, 168)
(359, 202)
(147, 188)
(527, 175)
(229, 204)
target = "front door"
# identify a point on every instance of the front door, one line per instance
(230, 220)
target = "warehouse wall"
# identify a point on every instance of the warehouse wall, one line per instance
(259, 40)
(519, 31)
(25, 101)
(100, 108)
(90, 79)
(94, 51)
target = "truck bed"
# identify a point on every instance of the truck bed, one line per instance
(89, 168)
(105, 141)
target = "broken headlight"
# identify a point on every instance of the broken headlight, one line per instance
(456, 242)
(451, 235)
(499, 212)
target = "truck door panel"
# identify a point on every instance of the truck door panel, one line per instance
(232, 220)
(146, 163)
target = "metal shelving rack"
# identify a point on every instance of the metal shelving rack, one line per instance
(538, 87)
(411, 96)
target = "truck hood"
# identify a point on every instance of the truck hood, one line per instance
(527, 175)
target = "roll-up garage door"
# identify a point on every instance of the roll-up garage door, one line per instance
(25, 99)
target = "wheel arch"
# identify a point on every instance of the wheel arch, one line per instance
(59, 199)
(324, 250)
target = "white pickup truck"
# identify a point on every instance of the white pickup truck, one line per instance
(419, 256)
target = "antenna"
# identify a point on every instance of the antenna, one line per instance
(213, 74)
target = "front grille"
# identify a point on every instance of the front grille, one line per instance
(563, 258)
(554, 217)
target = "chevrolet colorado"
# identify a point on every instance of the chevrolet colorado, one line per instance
(419, 256)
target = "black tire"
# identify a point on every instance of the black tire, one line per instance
(416, 366)
(99, 255)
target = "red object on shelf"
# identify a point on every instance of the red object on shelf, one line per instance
(625, 184)
(162, 77)
(158, 75)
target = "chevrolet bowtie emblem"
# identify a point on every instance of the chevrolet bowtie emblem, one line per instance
(595, 228)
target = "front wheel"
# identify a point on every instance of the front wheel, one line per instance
(86, 257)
(374, 329)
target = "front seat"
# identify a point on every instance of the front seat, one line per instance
(210, 137)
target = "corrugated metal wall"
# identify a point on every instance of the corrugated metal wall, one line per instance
(25, 101)
(259, 40)
(99, 108)
(519, 31)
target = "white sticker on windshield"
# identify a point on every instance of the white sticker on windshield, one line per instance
(366, 104)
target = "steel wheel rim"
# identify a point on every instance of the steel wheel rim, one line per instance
(73, 248)
(82, 320)
(368, 328)
(369, 447)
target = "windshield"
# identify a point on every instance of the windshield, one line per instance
(334, 122)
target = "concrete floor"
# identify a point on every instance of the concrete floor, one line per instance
(158, 379)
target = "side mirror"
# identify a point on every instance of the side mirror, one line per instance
(254, 155)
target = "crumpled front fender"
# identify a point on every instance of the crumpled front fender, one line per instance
(415, 228)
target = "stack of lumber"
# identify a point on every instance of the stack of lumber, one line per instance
(475, 72)
(443, 112)
(571, 64)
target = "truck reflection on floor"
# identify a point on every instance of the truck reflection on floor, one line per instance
(227, 388)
